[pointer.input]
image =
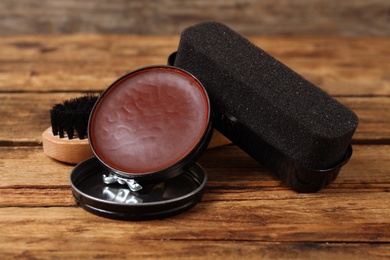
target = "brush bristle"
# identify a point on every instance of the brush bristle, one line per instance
(70, 119)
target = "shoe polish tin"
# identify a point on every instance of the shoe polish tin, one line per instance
(146, 130)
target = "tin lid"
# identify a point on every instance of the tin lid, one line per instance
(151, 124)
(117, 201)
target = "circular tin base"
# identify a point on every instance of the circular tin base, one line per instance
(117, 201)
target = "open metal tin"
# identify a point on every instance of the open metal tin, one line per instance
(147, 130)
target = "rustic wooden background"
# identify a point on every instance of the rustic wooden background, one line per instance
(246, 213)
(54, 50)
(170, 17)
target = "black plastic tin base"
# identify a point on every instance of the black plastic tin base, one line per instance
(154, 201)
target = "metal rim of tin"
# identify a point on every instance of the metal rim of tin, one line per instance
(156, 201)
(181, 165)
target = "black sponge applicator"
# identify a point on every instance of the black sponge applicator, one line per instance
(271, 112)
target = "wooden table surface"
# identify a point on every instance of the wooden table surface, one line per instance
(245, 212)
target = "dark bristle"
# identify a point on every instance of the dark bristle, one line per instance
(61, 123)
(54, 123)
(69, 124)
(71, 117)
(80, 123)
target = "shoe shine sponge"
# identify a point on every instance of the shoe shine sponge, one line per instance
(275, 115)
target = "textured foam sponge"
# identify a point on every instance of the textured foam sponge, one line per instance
(256, 97)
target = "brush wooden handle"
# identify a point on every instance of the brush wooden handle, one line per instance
(218, 140)
(65, 150)
(74, 151)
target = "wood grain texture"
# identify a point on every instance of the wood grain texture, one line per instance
(72, 151)
(81, 248)
(246, 211)
(244, 207)
(251, 17)
(228, 166)
(33, 110)
(357, 66)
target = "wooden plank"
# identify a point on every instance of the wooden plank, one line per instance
(374, 118)
(26, 115)
(349, 66)
(243, 202)
(355, 219)
(267, 17)
(347, 217)
(245, 212)
(76, 63)
(229, 168)
(54, 248)
(342, 66)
